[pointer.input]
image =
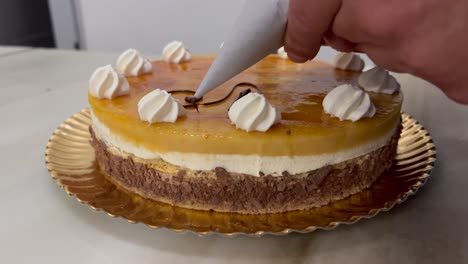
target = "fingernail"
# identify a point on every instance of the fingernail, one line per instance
(296, 58)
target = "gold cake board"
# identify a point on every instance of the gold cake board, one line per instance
(71, 161)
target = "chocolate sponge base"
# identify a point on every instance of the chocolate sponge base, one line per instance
(224, 191)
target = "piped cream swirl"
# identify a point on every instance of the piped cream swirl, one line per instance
(349, 62)
(159, 106)
(253, 112)
(105, 82)
(175, 52)
(378, 80)
(348, 102)
(282, 53)
(131, 63)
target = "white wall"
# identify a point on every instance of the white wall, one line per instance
(115, 25)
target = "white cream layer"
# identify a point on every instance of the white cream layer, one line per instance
(248, 164)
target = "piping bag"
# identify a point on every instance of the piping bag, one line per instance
(257, 32)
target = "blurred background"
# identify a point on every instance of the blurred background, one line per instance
(115, 25)
(26, 23)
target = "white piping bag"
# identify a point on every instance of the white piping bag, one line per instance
(258, 31)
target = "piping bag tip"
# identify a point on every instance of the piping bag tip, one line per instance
(257, 32)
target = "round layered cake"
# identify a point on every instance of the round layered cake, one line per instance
(201, 160)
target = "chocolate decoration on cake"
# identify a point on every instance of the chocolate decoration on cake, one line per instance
(244, 93)
(193, 101)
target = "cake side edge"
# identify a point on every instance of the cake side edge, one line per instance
(223, 191)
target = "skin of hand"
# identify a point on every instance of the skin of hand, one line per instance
(426, 38)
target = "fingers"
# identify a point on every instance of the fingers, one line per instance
(347, 22)
(307, 23)
(339, 43)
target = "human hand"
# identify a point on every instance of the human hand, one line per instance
(426, 38)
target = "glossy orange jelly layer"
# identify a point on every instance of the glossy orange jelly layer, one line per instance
(297, 90)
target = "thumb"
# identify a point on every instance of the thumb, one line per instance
(308, 20)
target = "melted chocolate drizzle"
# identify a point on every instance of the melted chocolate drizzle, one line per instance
(192, 102)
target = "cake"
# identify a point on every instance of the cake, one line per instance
(198, 155)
